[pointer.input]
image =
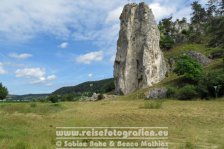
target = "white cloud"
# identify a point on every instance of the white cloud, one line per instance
(203, 2)
(185, 12)
(2, 70)
(25, 19)
(95, 20)
(90, 75)
(113, 16)
(36, 75)
(30, 72)
(90, 57)
(51, 77)
(63, 45)
(160, 11)
(20, 56)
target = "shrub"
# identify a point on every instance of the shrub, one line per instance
(154, 104)
(206, 85)
(68, 97)
(188, 67)
(53, 98)
(187, 92)
(171, 92)
(100, 97)
(166, 42)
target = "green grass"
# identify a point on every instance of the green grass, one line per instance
(180, 49)
(152, 104)
(40, 108)
(197, 124)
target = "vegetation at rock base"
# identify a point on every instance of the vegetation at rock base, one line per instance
(166, 42)
(212, 85)
(187, 92)
(188, 67)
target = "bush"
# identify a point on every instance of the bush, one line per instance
(156, 104)
(53, 98)
(100, 97)
(187, 92)
(207, 83)
(68, 97)
(166, 42)
(171, 92)
(188, 67)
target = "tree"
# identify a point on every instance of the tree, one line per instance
(68, 97)
(166, 42)
(216, 31)
(188, 67)
(3, 92)
(199, 13)
(184, 20)
(221, 8)
(212, 8)
(165, 26)
(198, 21)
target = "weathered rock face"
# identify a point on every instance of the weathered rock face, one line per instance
(139, 61)
(200, 58)
(157, 93)
(180, 26)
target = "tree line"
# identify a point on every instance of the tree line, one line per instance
(206, 26)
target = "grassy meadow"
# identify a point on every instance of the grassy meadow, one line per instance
(192, 124)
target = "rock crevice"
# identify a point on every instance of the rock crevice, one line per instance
(139, 61)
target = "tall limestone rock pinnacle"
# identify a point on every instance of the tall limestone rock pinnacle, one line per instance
(139, 61)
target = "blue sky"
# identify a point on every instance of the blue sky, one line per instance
(48, 44)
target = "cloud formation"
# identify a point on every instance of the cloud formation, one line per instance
(36, 75)
(90, 57)
(2, 70)
(161, 11)
(63, 45)
(96, 21)
(113, 15)
(20, 56)
(24, 19)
